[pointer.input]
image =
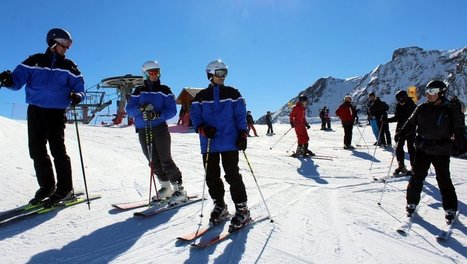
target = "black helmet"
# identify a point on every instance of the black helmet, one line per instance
(436, 84)
(57, 34)
(302, 98)
(401, 96)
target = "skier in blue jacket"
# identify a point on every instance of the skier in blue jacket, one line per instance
(151, 105)
(218, 114)
(51, 82)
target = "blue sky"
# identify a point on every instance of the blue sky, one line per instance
(274, 48)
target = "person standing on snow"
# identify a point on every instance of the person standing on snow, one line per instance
(298, 121)
(322, 116)
(270, 131)
(251, 123)
(218, 114)
(379, 110)
(327, 118)
(438, 126)
(347, 113)
(53, 82)
(151, 105)
(405, 107)
(371, 118)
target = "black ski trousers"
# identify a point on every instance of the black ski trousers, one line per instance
(163, 165)
(347, 133)
(48, 125)
(443, 177)
(232, 176)
(400, 154)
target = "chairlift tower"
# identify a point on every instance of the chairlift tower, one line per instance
(124, 85)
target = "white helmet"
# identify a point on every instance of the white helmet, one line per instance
(149, 65)
(213, 66)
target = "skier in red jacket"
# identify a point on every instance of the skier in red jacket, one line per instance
(298, 121)
(347, 113)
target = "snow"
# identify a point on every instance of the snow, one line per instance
(324, 211)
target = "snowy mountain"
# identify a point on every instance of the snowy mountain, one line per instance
(324, 209)
(410, 66)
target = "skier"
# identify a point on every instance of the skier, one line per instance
(322, 116)
(52, 83)
(405, 107)
(378, 110)
(151, 105)
(371, 118)
(251, 123)
(327, 118)
(298, 121)
(436, 123)
(347, 112)
(218, 114)
(270, 131)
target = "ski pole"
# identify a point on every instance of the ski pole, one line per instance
(280, 138)
(208, 148)
(81, 157)
(149, 145)
(387, 176)
(377, 143)
(291, 146)
(257, 185)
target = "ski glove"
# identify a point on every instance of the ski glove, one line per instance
(292, 124)
(151, 115)
(146, 107)
(241, 141)
(208, 132)
(307, 126)
(6, 79)
(75, 99)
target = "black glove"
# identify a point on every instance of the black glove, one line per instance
(307, 126)
(75, 99)
(6, 79)
(208, 132)
(151, 115)
(292, 124)
(146, 107)
(241, 141)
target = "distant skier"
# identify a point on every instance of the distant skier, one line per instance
(270, 131)
(299, 123)
(405, 107)
(378, 110)
(219, 116)
(347, 113)
(53, 82)
(436, 123)
(371, 118)
(327, 119)
(251, 123)
(151, 105)
(322, 116)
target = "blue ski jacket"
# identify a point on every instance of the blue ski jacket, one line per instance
(223, 108)
(160, 96)
(50, 78)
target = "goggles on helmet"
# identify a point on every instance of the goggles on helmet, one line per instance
(153, 72)
(222, 73)
(66, 43)
(432, 91)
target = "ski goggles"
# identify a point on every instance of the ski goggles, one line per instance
(221, 73)
(153, 72)
(66, 43)
(432, 91)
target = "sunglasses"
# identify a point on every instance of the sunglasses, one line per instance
(220, 73)
(65, 43)
(153, 72)
(432, 91)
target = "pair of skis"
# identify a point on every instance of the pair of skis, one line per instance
(443, 235)
(28, 211)
(217, 238)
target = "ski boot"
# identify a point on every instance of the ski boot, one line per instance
(218, 213)
(410, 208)
(450, 215)
(179, 195)
(241, 217)
(164, 192)
(307, 151)
(400, 171)
(41, 194)
(59, 197)
(300, 152)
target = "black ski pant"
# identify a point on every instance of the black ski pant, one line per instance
(400, 154)
(162, 164)
(347, 133)
(48, 125)
(443, 177)
(384, 134)
(270, 130)
(232, 176)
